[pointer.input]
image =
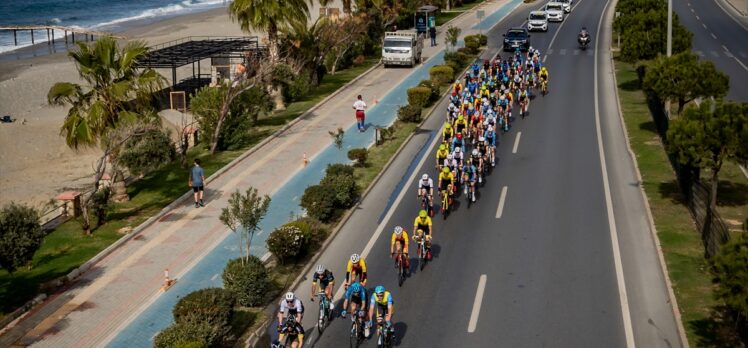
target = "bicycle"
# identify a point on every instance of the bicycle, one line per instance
(400, 262)
(422, 252)
(544, 87)
(446, 201)
(426, 204)
(384, 334)
(358, 332)
(325, 314)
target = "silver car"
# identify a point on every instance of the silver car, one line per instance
(566, 4)
(555, 11)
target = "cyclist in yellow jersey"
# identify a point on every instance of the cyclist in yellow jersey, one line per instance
(356, 267)
(447, 133)
(460, 124)
(423, 222)
(441, 155)
(544, 74)
(399, 243)
(382, 303)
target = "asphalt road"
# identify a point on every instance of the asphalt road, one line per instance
(720, 39)
(548, 261)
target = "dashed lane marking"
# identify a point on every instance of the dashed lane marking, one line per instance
(477, 303)
(516, 142)
(502, 200)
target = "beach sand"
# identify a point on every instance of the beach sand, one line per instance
(35, 163)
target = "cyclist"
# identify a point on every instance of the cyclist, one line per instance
(441, 154)
(294, 309)
(457, 154)
(457, 142)
(326, 281)
(460, 124)
(382, 303)
(356, 268)
(523, 99)
(399, 243)
(544, 77)
(448, 132)
(423, 222)
(426, 187)
(420, 235)
(446, 181)
(490, 136)
(476, 157)
(450, 163)
(469, 175)
(355, 296)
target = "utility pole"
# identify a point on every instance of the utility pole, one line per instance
(669, 28)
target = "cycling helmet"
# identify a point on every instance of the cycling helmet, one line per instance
(398, 231)
(502, 97)
(445, 170)
(355, 258)
(481, 138)
(460, 118)
(490, 128)
(530, 49)
(447, 125)
(458, 149)
(379, 290)
(356, 288)
(442, 147)
(290, 296)
(320, 269)
(459, 135)
(485, 123)
(423, 213)
(543, 69)
(425, 177)
(475, 152)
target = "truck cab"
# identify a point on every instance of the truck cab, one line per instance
(402, 48)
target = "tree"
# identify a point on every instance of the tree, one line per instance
(683, 78)
(21, 235)
(243, 215)
(731, 275)
(147, 152)
(269, 16)
(707, 136)
(117, 91)
(451, 36)
(644, 35)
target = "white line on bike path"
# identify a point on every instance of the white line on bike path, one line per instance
(516, 142)
(500, 209)
(476, 304)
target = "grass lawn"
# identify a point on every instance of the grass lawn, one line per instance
(681, 242)
(444, 17)
(66, 248)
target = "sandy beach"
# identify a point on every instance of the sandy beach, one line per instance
(35, 163)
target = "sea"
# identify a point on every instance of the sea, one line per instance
(102, 15)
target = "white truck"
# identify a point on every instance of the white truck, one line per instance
(402, 48)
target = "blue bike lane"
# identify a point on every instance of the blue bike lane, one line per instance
(284, 204)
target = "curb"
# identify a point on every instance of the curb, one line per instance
(650, 219)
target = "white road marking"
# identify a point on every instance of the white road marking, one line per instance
(502, 199)
(214, 277)
(544, 57)
(729, 54)
(714, 36)
(703, 25)
(562, 51)
(625, 312)
(516, 142)
(476, 304)
(725, 48)
(550, 51)
(576, 52)
(697, 17)
(692, 9)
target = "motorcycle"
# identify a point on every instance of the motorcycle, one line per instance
(583, 39)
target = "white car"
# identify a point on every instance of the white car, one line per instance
(567, 5)
(555, 11)
(538, 20)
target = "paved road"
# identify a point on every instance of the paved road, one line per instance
(549, 262)
(719, 38)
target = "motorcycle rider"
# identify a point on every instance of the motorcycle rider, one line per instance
(584, 37)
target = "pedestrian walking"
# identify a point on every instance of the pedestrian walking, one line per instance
(360, 106)
(432, 33)
(197, 182)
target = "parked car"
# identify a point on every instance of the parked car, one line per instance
(555, 11)
(516, 38)
(537, 20)
(566, 4)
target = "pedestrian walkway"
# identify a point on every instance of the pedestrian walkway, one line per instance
(117, 302)
(740, 5)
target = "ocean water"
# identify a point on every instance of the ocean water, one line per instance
(104, 15)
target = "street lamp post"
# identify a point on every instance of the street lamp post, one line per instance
(669, 28)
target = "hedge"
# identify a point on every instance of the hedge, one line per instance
(433, 87)
(359, 155)
(319, 202)
(409, 113)
(187, 335)
(442, 74)
(419, 96)
(248, 280)
(214, 306)
(287, 243)
(472, 43)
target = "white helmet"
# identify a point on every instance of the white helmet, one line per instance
(290, 296)
(475, 152)
(485, 123)
(425, 177)
(530, 49)
(490, 128)
(481, 138)
(355, 258)
(457, 149)
(398, 231)
(320, 269)
(502, 97)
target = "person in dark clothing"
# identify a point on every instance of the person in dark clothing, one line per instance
(432, 34)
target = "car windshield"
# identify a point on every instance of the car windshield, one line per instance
(553, 7)
(516, 34)
(537, 16)
(396, 43)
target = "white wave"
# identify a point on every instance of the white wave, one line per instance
(184, 7)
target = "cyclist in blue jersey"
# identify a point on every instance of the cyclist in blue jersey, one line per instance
(355, 296)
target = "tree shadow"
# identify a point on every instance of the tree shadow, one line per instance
(718, 330)
(731, 194)
(630, 86)
(649, 126)
(671, 190)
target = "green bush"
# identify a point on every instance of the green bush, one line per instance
(419, 96)
(214, 306)
(483, 39)
(457, 60)
(319, 202)
(472, 43)
(442, 74)
(409, 113)
(345, 189)
(315, 231)
(248, 280)
(359, 155)
(731, 275)
(286, 243)
(339, 169)
(433, 87)
(20, 235)
(147, 152)
(187, 335)
(467, 52)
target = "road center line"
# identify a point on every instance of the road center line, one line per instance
(516, 142)
(618, 264)
(500, 209)
(476, 304)
(714, 36)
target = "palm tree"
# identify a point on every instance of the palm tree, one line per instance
(116, 92)
(269, 16)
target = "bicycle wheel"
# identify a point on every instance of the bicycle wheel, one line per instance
(422, 256)
(400, 274)
(354, 334)
(322, 321)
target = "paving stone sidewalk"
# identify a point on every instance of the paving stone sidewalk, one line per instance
(117, 289)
